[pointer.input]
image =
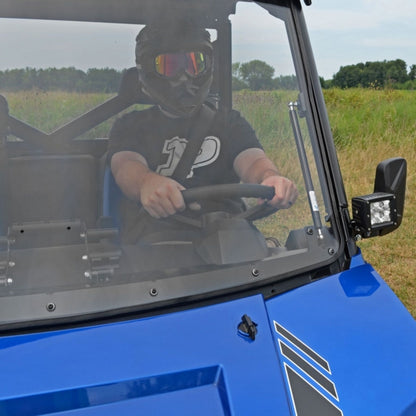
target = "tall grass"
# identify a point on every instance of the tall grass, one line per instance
(370, 126)
(364, 117)
(49, 110)
(268, 113)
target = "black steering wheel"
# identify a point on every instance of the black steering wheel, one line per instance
(232, 190)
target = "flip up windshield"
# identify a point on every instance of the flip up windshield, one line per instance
(160, 155)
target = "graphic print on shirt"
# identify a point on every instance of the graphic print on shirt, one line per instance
(174, 148)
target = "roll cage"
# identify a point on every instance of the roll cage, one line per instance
(62, 141)
(127, 12)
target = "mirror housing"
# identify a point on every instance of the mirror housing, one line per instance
(381, 212)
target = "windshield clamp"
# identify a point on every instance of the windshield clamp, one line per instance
(247, 327)
(5, 263)
(102, 254)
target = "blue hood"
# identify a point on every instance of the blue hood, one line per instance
(341, 345)
(348, 346)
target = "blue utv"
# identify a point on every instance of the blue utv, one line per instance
(256, 312)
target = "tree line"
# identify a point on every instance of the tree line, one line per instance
(67, 79)
(253, 75)
(257, 75)
(378, 74)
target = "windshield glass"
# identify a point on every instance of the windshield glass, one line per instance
(153, 159)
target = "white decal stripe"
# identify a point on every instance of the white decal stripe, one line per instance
(312, 354)
(286, 366)
(308, 369)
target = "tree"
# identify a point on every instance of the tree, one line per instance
(285, 82)
(237, 83)
(348, 76)
(258, 75)
(102, 80)
(373, 74)
(396, 71)
(412, 72)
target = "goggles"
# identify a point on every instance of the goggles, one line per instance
(170, 64)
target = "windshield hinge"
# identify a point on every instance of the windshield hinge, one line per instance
(247, 327)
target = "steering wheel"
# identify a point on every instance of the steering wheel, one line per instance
(233, 190)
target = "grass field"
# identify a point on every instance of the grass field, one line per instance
(368, 126)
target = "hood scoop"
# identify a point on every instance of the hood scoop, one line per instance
(175, 393)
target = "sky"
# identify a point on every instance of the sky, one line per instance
(342, 32)
(345, 32)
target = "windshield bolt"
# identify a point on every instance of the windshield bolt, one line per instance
(309, 231)
(255, 272)
(12, 264)
(6, 281)
(153, 291)
(87, 274)
(50, 307)
(85, 257)
(331, 251)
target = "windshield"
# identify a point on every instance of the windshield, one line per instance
(154, 159)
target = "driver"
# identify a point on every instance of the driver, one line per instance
(175, 67)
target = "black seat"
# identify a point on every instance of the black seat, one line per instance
(53, 187)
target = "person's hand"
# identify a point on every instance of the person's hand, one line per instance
(161, 196)
(285, 190)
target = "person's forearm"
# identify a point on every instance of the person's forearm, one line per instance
(160, 196)
(129, 174)
(259, 170)
(253, 166)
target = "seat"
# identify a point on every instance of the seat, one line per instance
(53, 187)
(111, 197)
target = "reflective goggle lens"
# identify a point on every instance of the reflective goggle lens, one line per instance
(170, 64)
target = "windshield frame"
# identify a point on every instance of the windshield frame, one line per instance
(140, 297)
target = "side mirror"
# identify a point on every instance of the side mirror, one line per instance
(381, 212)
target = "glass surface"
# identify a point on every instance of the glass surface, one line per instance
(76, 237)
(380, 212)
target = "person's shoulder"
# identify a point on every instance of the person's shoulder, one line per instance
(236, 125)
(231, 117)
(228, 114)
(135, 117)
(138, 115)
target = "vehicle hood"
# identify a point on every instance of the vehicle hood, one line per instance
(340, 345)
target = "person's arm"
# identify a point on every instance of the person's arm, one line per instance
(160, 196)
(253, 166)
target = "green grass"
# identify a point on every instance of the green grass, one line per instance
(48, 111)
(368, 126)
(364, 117)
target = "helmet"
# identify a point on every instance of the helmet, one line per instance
(175, 65)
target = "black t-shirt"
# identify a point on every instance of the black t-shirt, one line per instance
(161, 140)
